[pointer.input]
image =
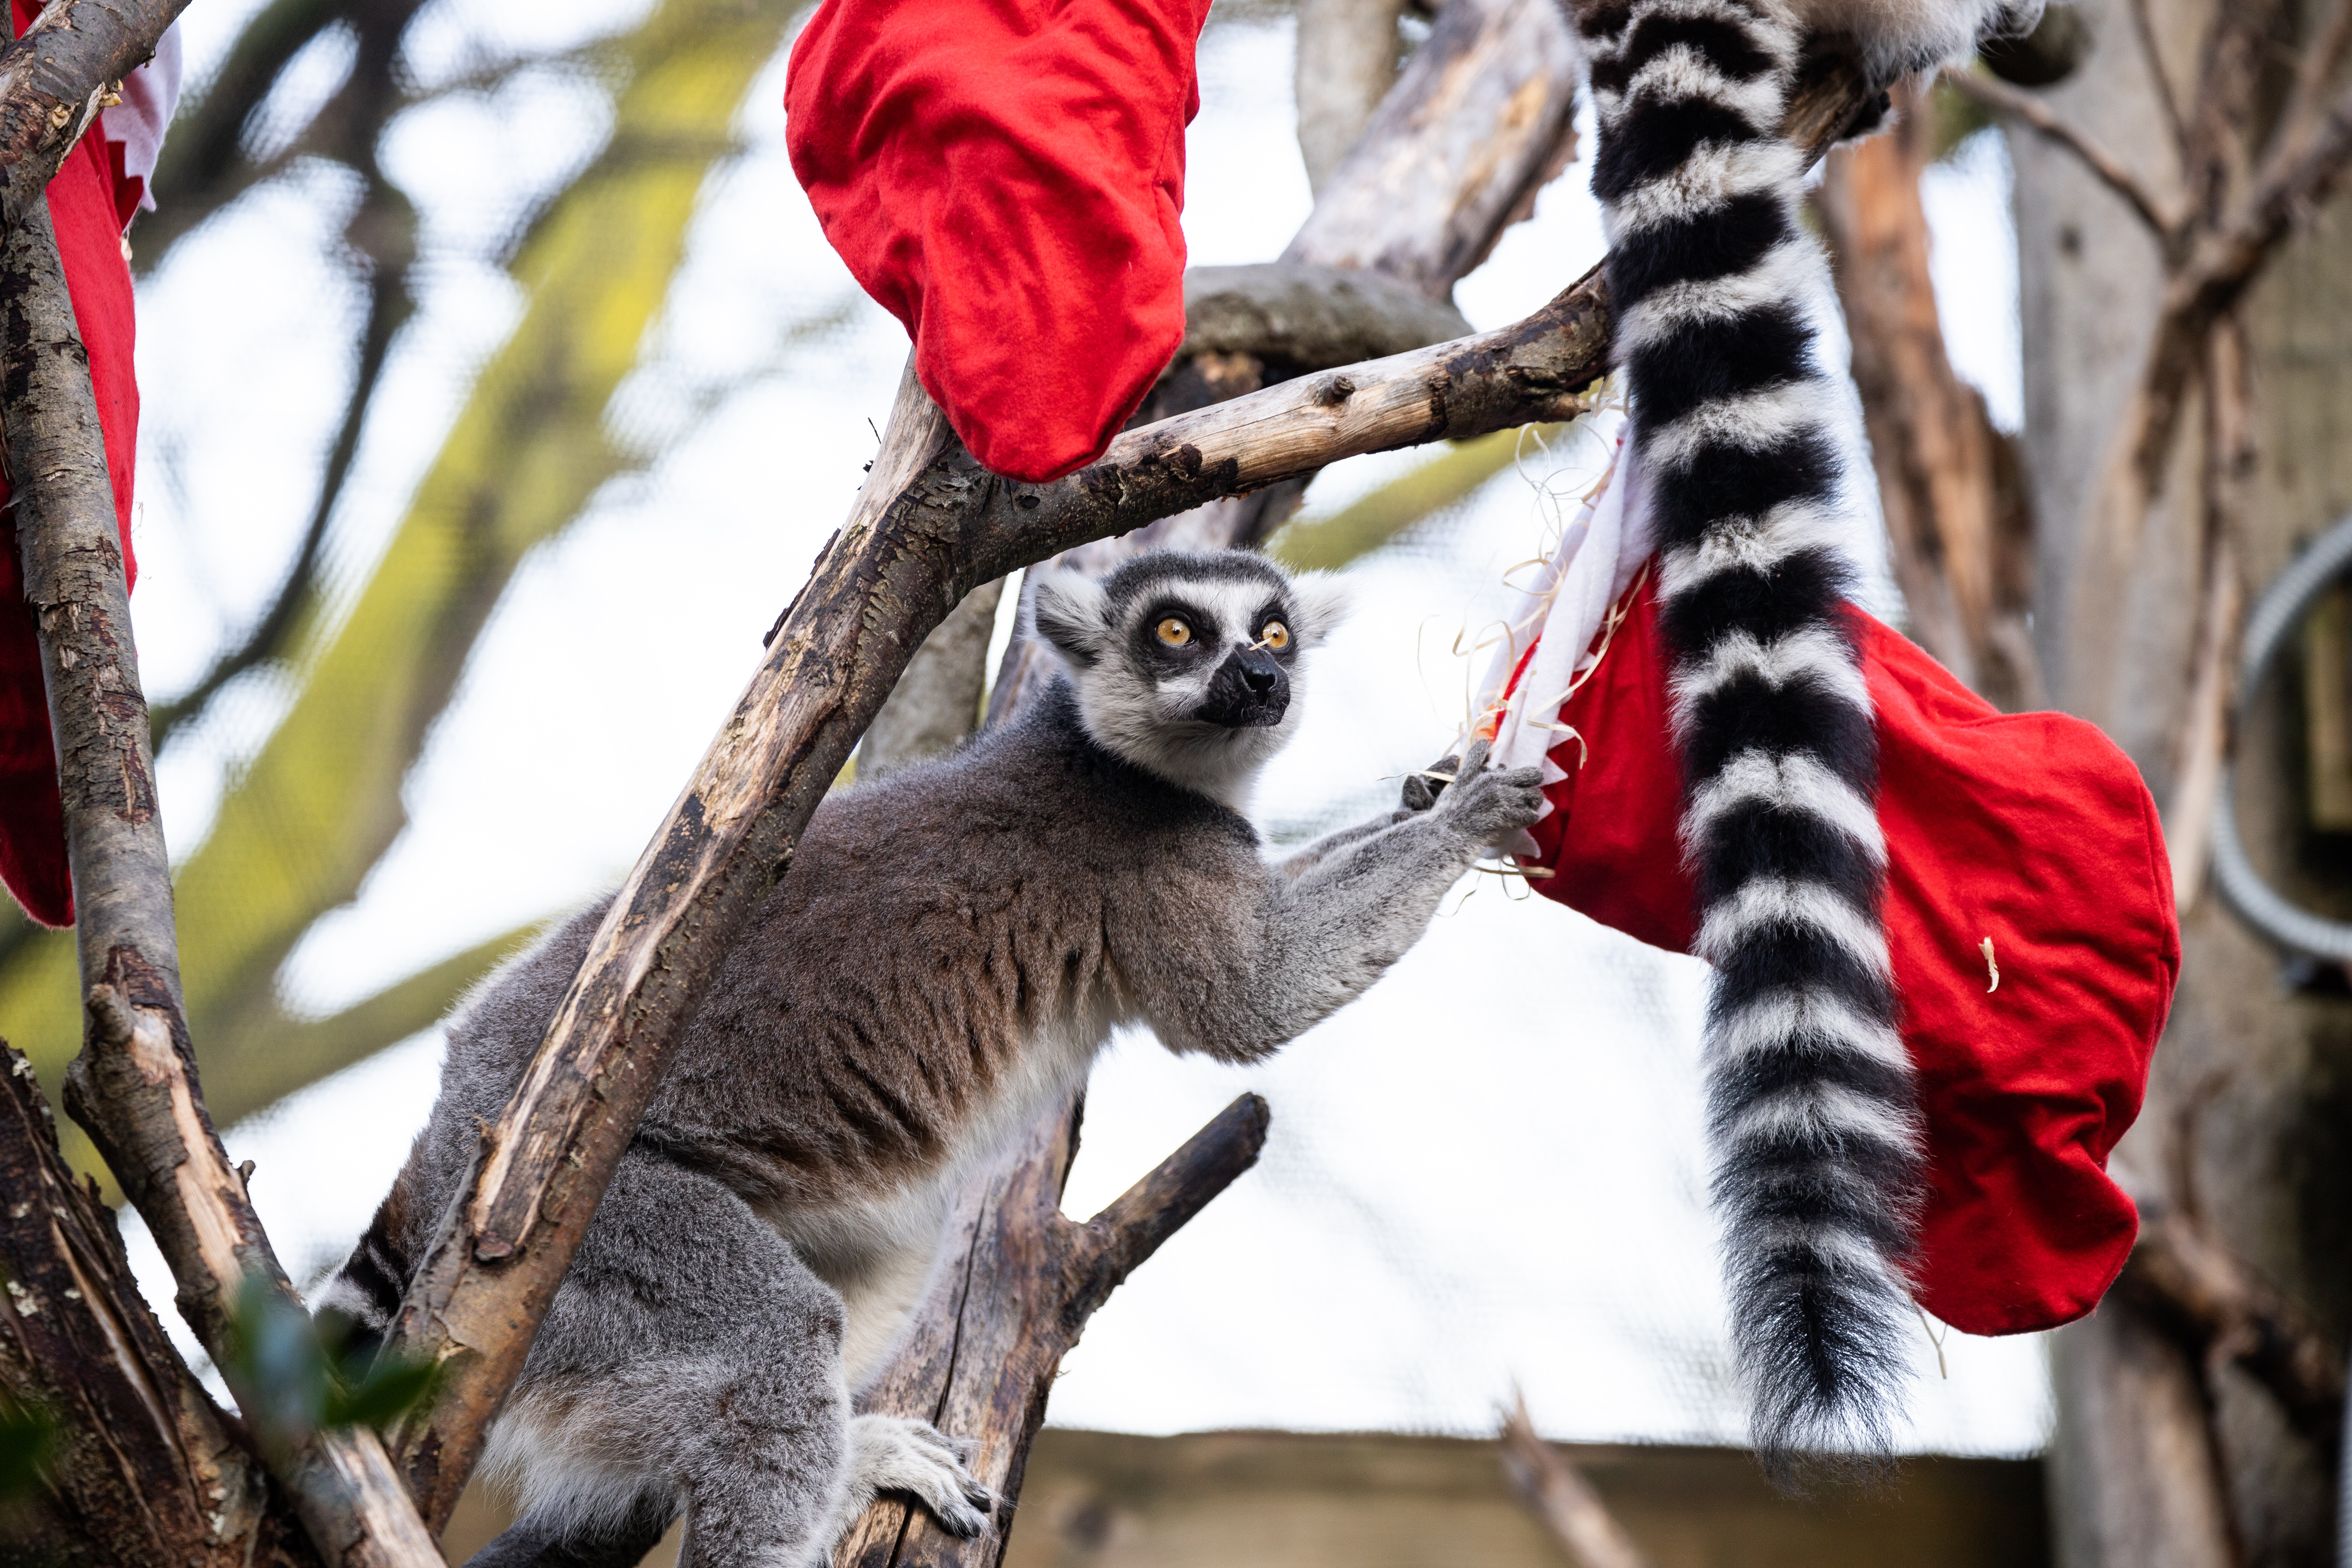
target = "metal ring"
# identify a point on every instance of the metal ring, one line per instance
(2277, 614)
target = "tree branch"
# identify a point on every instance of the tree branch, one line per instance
(2158, 215)
(1308, 317)
(54, 79)
(134, 1087)
(2191, 1283)
(146, 1468)
(1556, 1493)
(984, 1352)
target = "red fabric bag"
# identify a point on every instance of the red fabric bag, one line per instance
(89, 209)
(2029, 829)
(1005, 177)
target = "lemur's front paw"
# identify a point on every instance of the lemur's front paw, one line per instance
(893, 1453)
(1421, 791)
(1489, 804)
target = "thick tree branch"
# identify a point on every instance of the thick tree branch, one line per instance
(1474, 128)
(55, 79)
(1307, 318)
(134, 1087)
(146, 1468)
(984, 1352)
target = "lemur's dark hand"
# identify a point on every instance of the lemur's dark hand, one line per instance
(1420, 792)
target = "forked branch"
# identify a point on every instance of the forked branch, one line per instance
(985, 1351)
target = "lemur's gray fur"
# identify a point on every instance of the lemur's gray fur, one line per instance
(952, 946)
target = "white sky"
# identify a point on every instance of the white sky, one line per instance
(1487, 1170)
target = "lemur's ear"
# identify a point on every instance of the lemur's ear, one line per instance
(1319, 602)
(1073, 615)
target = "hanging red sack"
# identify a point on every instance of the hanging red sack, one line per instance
(2026, 831)
(1006, 178)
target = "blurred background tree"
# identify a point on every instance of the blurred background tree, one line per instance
(316, 808)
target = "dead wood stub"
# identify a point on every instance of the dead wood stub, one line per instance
(982, 1353)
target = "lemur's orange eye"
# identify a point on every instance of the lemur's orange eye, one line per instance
(1174, 633)
(1276, 636)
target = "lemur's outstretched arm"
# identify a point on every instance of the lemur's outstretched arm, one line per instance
(1323, 934)
(1420, 792)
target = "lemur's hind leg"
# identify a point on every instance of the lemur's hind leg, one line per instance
(691, 1363)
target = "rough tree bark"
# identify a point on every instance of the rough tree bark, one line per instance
(145, 1469)
(1023, 1279)
(135, 1088)
(2251, 1088)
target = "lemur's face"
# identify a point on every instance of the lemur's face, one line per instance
(1187, 664)
(1216, 653)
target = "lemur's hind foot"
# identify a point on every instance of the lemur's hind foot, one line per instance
(896, 1454)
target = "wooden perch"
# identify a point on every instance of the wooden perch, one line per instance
(1556, 1493)
(145, 1468)
(2194, 1287)
(983, 1352)
(134, 1087)
(55, 80)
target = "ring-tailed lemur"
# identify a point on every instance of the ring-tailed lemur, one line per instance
(1748, 443)
(952, 946)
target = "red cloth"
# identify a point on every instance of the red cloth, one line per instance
(2030, 828)
(1005, 177)
(83, 205)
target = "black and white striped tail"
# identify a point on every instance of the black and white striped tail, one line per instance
(366, 1291)
(1746, 440)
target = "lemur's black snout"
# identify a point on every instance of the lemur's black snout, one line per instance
(1250, 690)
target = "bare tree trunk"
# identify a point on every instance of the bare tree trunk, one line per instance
(2246, 1118)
